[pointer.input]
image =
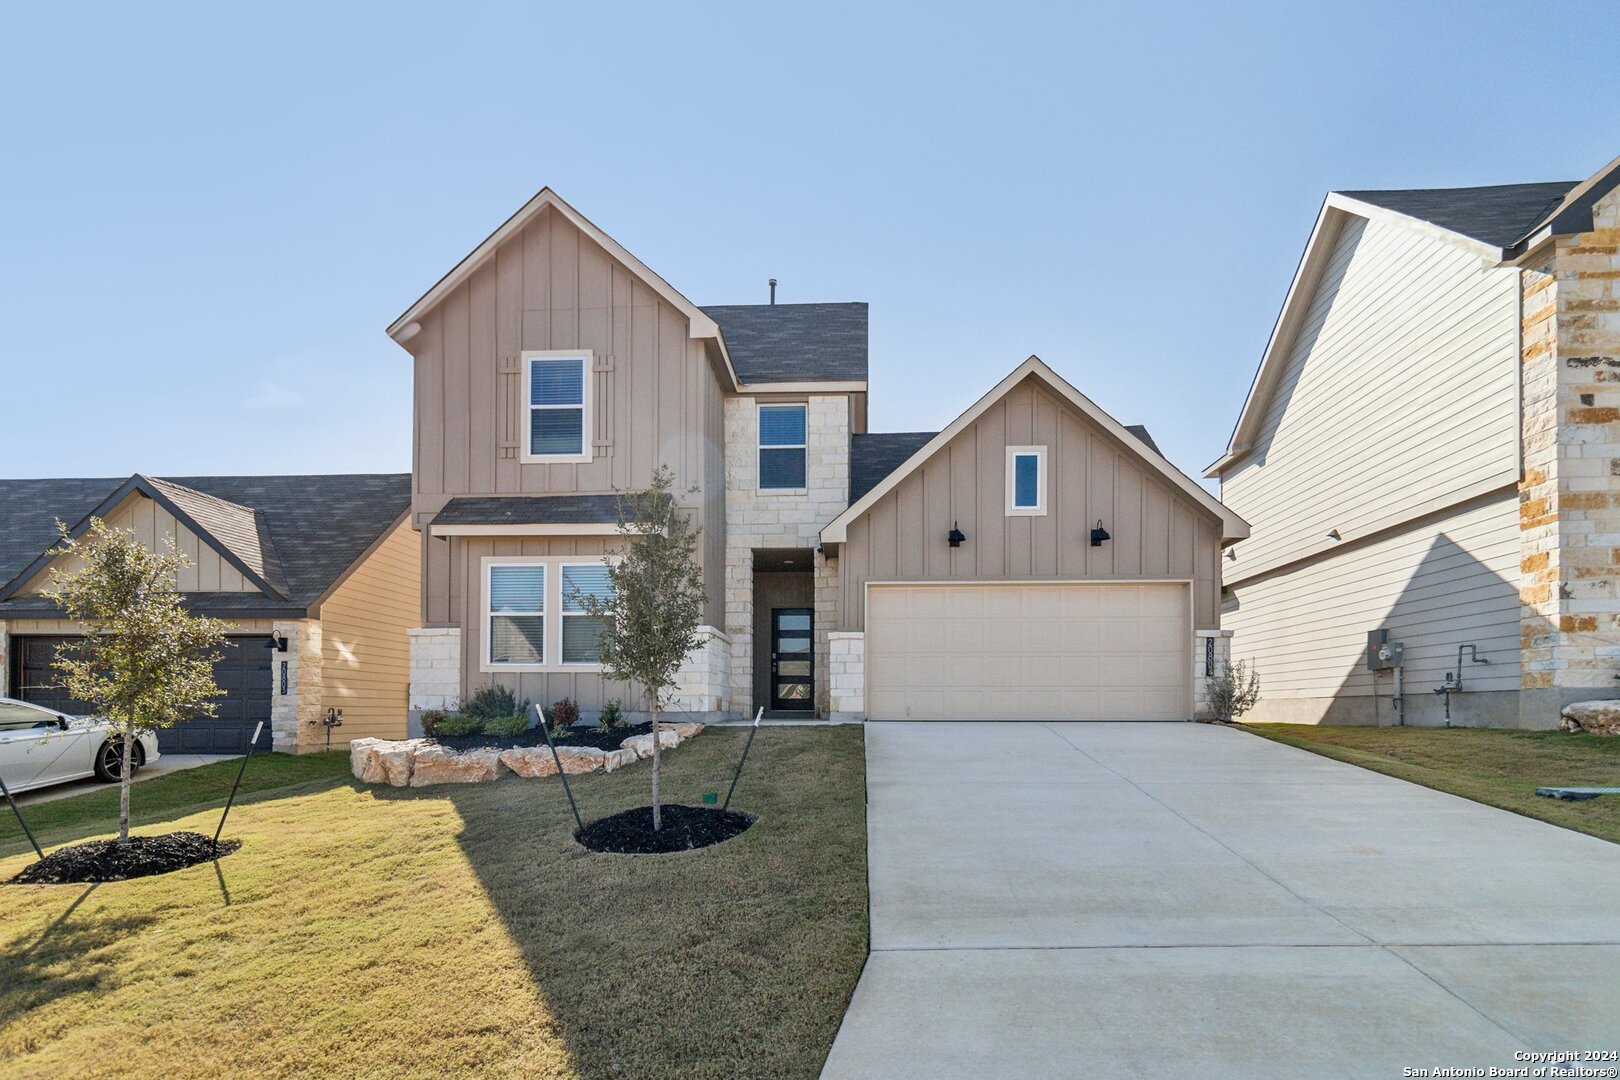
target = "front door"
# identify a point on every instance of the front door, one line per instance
(791, 658)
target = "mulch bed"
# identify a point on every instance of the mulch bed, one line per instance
(108, 860)
(685, 828)
(600, 738)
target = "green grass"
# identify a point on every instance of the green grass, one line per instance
(445, 931)
(1498, 768)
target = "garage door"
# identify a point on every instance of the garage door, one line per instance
(243, 672)
(1028, 652)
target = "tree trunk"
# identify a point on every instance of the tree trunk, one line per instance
(658, 814)
(126, 780)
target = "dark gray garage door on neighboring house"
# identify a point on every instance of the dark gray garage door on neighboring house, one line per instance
(243, 672)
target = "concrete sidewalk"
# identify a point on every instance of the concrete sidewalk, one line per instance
(165, 764)
(1183, 900)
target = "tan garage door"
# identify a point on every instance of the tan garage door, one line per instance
(1028, 652)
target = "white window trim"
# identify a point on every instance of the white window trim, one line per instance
(551, 645)
(760, 447)
(587, 432)
(1013, 454)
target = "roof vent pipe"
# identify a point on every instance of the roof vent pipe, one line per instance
(773, 290)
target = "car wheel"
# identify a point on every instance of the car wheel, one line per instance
(110, 760)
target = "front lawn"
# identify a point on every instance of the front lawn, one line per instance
(449, 930)
(1498, 768)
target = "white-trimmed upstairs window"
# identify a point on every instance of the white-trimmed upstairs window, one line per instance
(1026, 481)
(782, 447)
(582, 634)
(517, 613)
(556, 391)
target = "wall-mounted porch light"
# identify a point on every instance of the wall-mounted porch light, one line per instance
(1099, 535)
(1334, 535)
(956, 536)
(277, 641)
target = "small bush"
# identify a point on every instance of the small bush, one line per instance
(492, 702)
(563, 716)
(507, 727)
(459, 724)
(431, 719)
(1233, 692)
(612, 716)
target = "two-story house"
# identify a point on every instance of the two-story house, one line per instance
(1034, 559)
(1430, 453)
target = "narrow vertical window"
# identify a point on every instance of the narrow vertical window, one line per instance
(1026, 480)
(581, 633)
(781, 447)
(555, 389)
(517, 614)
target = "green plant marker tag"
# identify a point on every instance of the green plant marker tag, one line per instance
(711, 798)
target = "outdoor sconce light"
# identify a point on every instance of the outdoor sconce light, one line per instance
(1334, 535)
(277, 641)
(1099, 535)
(956, 536)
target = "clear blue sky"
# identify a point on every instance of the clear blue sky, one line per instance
(207, 216)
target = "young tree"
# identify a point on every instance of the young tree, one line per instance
(1234, 691)
(144, 660)
(650, 619)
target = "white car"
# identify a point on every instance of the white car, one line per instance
(40, 747)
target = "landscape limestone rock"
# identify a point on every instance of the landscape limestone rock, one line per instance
(1593, 717)
(530, 761)
(642, 744)
(384, 761)
(617, 758)
(438, 765)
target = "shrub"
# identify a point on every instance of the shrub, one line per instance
(431, 719)
(491, 702)
(459, 723)
(1233, 692)
(612, 716)
(563, 715)
(507, 727)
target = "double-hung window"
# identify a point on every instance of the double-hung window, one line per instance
(517, 613)
(556, 388)
(1026, 481)
(582, 634)
(781, 447)
(520, 592)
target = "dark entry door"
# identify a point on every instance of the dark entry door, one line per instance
(243, 672)
(792, 657)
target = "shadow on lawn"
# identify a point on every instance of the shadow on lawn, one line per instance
(734, 960)
(61, 960)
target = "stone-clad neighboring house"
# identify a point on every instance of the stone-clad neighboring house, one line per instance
(326, 567)
(1034, 559)
(1431, 449)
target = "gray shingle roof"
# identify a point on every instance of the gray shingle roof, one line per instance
(530, 510)
(794, 342)
(1499, 215)
(1141, 432)
(299, 532)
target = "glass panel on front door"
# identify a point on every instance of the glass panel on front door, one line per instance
(792, 659)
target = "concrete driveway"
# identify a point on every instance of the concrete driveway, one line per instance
(1168, 900)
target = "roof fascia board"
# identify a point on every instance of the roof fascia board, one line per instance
(803, 388)
(1232, 526)
(591, 528)
(701, 326)
(139, 483)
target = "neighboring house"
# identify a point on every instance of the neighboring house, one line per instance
(1431, 448)
(949, 574)
(319, 576)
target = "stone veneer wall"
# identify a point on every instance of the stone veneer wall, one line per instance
(1206, 643)
(1569, 496)
(765, 520)
(846, 674)
(435, 671)
(295, 716)
(703, 684)
(5, 659)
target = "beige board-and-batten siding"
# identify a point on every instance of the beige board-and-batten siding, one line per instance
(1158, 533)
(207, 570)
(655, 397)
(1397, 398)
(365, 651)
